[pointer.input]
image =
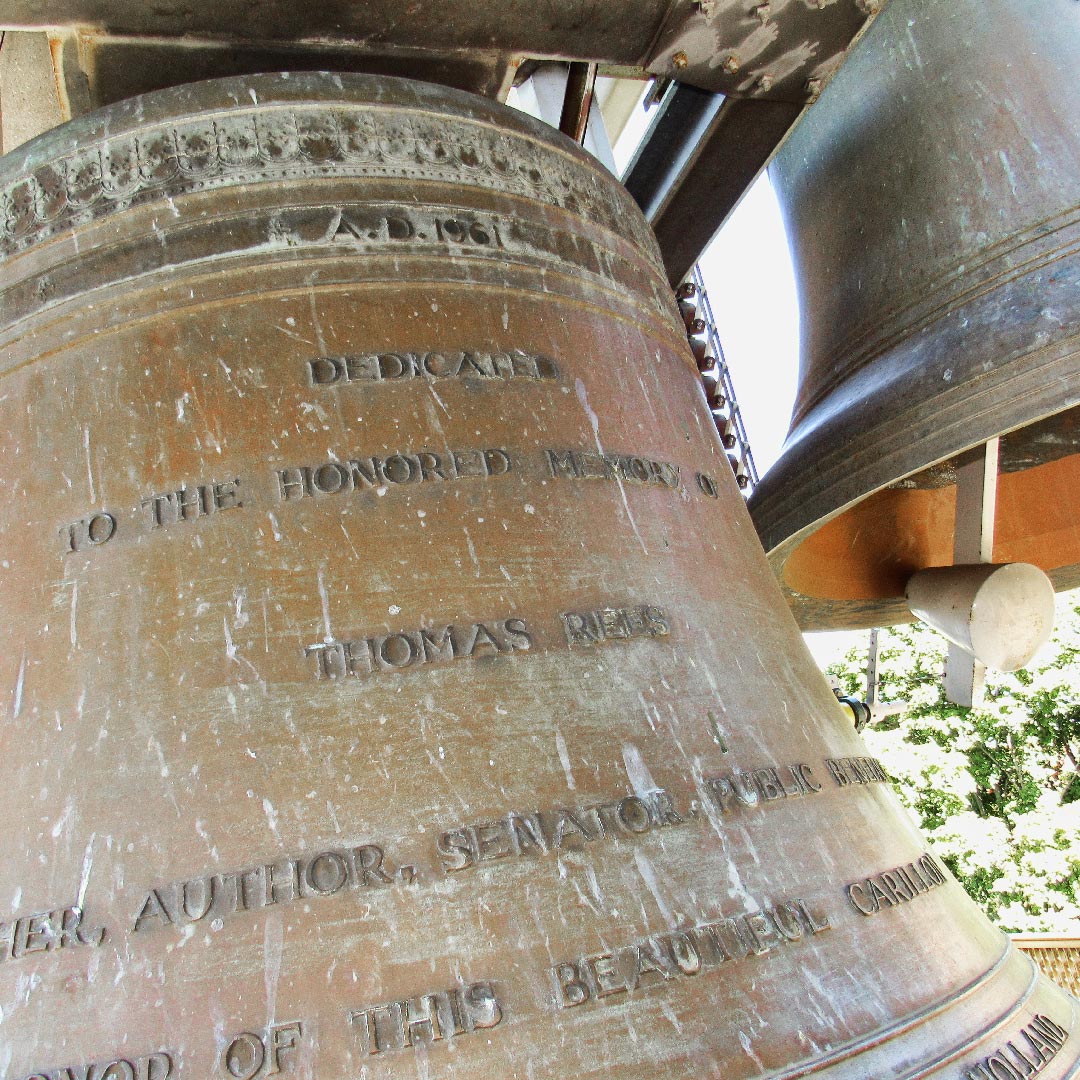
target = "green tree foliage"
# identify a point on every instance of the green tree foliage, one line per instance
(997, 788)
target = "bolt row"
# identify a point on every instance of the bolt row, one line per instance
(722, 409)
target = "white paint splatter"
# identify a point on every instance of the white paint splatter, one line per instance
(62, 820)
(472, 552)
(637, 772)
(272, 947)
(648, 875)
(271, 815)
(328, 635)
(20, 678)
(564, 757)
(583, 397)
(89, 468)
(87, 866)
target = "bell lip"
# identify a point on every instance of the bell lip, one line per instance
(782, 506)
(829, 466)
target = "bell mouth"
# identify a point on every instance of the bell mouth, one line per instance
(850, 570)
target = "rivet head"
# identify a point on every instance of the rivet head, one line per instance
(731, 64)
(680, 61)
(764, 83)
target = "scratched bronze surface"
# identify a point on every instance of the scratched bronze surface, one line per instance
(394, 684)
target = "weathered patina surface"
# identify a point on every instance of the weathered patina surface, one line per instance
(395, 684)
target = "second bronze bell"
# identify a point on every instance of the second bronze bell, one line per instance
(932, 197)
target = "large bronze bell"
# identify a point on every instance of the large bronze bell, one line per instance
(932, 199)
(395, 684)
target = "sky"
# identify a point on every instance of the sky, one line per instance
(748, 274)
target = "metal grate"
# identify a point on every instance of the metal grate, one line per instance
(723, 375)
(1057, 957)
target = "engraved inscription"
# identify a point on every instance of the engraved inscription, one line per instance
(427, 1019)
(218, 896)
(707, 485)
(360, 474)
(630, 817)
(189, 503)
(539, 832)
(367, 473)
(751, 788)
(273, 1049)
(158, 1066)
(614, 624)
(402, 366)
(626, 818)
(586, 465)
(361, 225)
(1027, 1054)
(683, 953)
(87, 532)
(428, 230)
(414, 648)
(46, 932)
(856, 770)
(897, 886)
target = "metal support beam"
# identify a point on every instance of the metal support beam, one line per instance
(973, 542)
(872, 669)
(697, 161)
(545, 93)
(30, 102)
(580, 83)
